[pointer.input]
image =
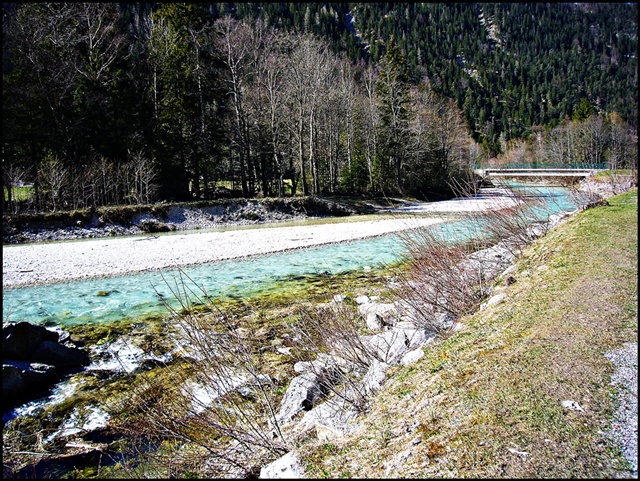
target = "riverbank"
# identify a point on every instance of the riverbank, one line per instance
(117, 221)
(467, 367)
(540, 384)
(46, 262)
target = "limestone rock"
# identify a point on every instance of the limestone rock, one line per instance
(498, 298)
(286, 467)
(307, 389)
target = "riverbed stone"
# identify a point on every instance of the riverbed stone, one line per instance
(20, 340)
(34, 359)
(286, 467)
(61, 356)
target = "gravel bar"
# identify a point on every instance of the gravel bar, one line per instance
(32, 264)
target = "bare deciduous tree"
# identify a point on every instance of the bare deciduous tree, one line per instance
(54, 178)
(144, 173)
(238, 44)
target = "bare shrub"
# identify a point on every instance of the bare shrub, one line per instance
(437, 286)
(54, 178)
(331, 342)
(214, 397)
(521, 220)
(448, 273)
(142, 188)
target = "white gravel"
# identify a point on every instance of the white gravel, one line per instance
(489, 199)
(624, 429)
(30, 264)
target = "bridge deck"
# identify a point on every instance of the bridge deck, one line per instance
(537, 172)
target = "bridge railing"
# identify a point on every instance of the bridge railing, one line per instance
(542, 166)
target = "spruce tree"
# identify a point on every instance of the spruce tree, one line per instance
(392, 90)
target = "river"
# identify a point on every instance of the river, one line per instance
(141, 294)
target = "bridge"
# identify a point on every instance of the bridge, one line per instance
(540, 170)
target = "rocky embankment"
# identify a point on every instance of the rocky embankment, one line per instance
(203, 215)
(132, 220)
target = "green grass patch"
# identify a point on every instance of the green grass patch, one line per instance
(609, 174)
(19, 193)
(486, 401)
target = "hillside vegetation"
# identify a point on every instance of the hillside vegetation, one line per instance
(509, 66)
(485, 401)
(199, 101)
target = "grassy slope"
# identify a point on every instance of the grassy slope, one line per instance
(485, 401)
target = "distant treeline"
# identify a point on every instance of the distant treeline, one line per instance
(107, 103)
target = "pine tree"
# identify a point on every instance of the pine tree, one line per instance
(392, 90)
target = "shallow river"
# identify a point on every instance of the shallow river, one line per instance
(136, 295)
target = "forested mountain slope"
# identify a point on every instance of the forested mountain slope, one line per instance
(509, 66)
(133, 103)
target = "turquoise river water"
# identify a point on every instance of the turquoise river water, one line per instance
(136, 295)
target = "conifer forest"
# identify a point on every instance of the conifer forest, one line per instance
(135, 103)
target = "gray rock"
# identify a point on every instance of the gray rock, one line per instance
(336, 417)
(372, 381)
(306, 390)
(390, 346)
(378, 315)
(20, 340)
(286, 467)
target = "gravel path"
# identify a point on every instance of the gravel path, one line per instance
(624, 430)
(60, 261)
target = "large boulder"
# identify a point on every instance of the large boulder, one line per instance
(310, 387)
(34, 358)
(60, 356)
(19, 341)
(22, 381)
